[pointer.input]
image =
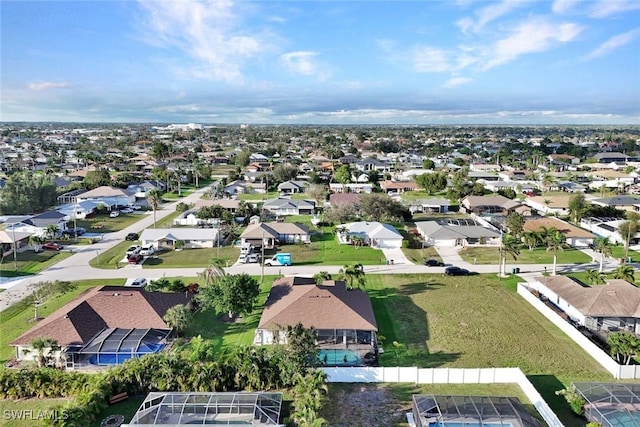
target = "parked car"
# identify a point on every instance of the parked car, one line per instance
(456, 271)
(74, 232)
(114, 214)
(433, 263)
(132, 236)
(140, 282)
(135, 249)
(126, 210)
(147, 250)
(253, 258)
(135, 258)
(52, 246)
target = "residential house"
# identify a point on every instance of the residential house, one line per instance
(292, 187)
(105, 325)
(626, 203)
(608, 227)
(245, 187)
(110, 196)
(166, 238)
(283, 206)
(610, 307)
(374, 234)
(79, 210)
(230, 205)
(37, 224)
(611, 157)
(336, 199)
(275, 233)
(343, 318)
(493, 205)
(398, 187)
(372, 164)
(433, 205)
(336, 187)
(575, 236)
(13, 238)
(549, 205)
(456, 232)
(141, 190)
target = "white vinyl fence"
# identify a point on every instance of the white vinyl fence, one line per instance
(618, 371)
(446, 376)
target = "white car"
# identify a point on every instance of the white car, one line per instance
(126, 210)
(135, 249)
(114, 214)
(147, 250)
(140, 282)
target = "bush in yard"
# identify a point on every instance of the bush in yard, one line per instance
(573, 398)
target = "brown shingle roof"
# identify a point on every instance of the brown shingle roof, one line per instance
(104, 307)
(617, 298)
(565, 228)
(337, 198)
(329, 306)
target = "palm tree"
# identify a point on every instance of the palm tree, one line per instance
(353, 272)
(508, 246)
(602, 245)
(625, 272)
(51, 231)
(41, 345)
(555, 241)
(154, 198)
(178, 317)
(214, 271)
(594, 277)
(309, 391)
(36, 241)
(531, 239)
(623, 346)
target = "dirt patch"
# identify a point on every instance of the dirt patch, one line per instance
(363, 405)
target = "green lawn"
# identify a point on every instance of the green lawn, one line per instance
(166, 222)
(101, 223)
(226, 335)
(16, 319)
(191, 257)
(254, 197)
(128, 408)
(324, 249)
(185, 190)
(487, 255)
(618, 252)
(30, 262)
(113, 255)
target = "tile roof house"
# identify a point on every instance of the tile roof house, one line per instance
(615, 305)
(291, 187)
(445, 233)
(166, 238)
(343, 318)
(283, 206)
(575, 236)
(275, 233)
(374, 234)
(105, 307)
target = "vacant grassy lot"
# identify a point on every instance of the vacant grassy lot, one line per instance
(486, 255)
(191, 257)
(254, 197)
(229, 335)
(324, 249)
(30, 262)
(453, 322)
(101, 223)
(17, 319)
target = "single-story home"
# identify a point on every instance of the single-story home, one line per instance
(283, 206)
(166, 238)
(398, 187)
(608, 227)
(105, 325)
(456, 233)
(230, 205)
(553, 205)
(292, 187)
(80, 210)
(374, 234)
(110, 196)
(493, 205)
(37, 224)
(609, 307)
(434, 205)
(336, 187)
(246, 187)
(627, 203)
(275, 233)
(13, 238)
(343, 318)
(575, 236)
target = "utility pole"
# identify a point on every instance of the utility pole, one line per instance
(15, 257)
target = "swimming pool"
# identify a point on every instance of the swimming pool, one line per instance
(339, 357)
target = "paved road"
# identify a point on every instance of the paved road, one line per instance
(77, 266)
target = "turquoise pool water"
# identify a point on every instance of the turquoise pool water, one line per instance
(622, 419)
(339, 357)
(445, 424)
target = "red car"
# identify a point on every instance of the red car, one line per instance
(135, 258)
(52, 246)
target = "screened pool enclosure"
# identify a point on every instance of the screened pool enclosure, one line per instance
(238, 409)
(114, 346)
(611, 404)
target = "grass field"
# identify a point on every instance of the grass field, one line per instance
(128, 408)
(325, 249)
(254, 197)
(101, 223)
(30, 262)
(25, 413)
(486, 255)
(191, 257)
(16, 319)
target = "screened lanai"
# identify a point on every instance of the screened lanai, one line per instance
(611, 404)
(240, 408)
(113, 346)
(471, 411)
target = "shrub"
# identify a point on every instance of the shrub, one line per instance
(573, 398)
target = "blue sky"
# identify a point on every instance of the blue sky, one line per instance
(325, 62)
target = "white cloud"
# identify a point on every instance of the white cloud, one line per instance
(457, 81)
(208, 31)
(47, 85)
(488, 14)
(304, 63)
(605, 8)
(533, 36)
(562, 7)
(431, 60)
(613, 43)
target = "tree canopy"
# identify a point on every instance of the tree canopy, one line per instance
(232, 294)
(27, 192)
